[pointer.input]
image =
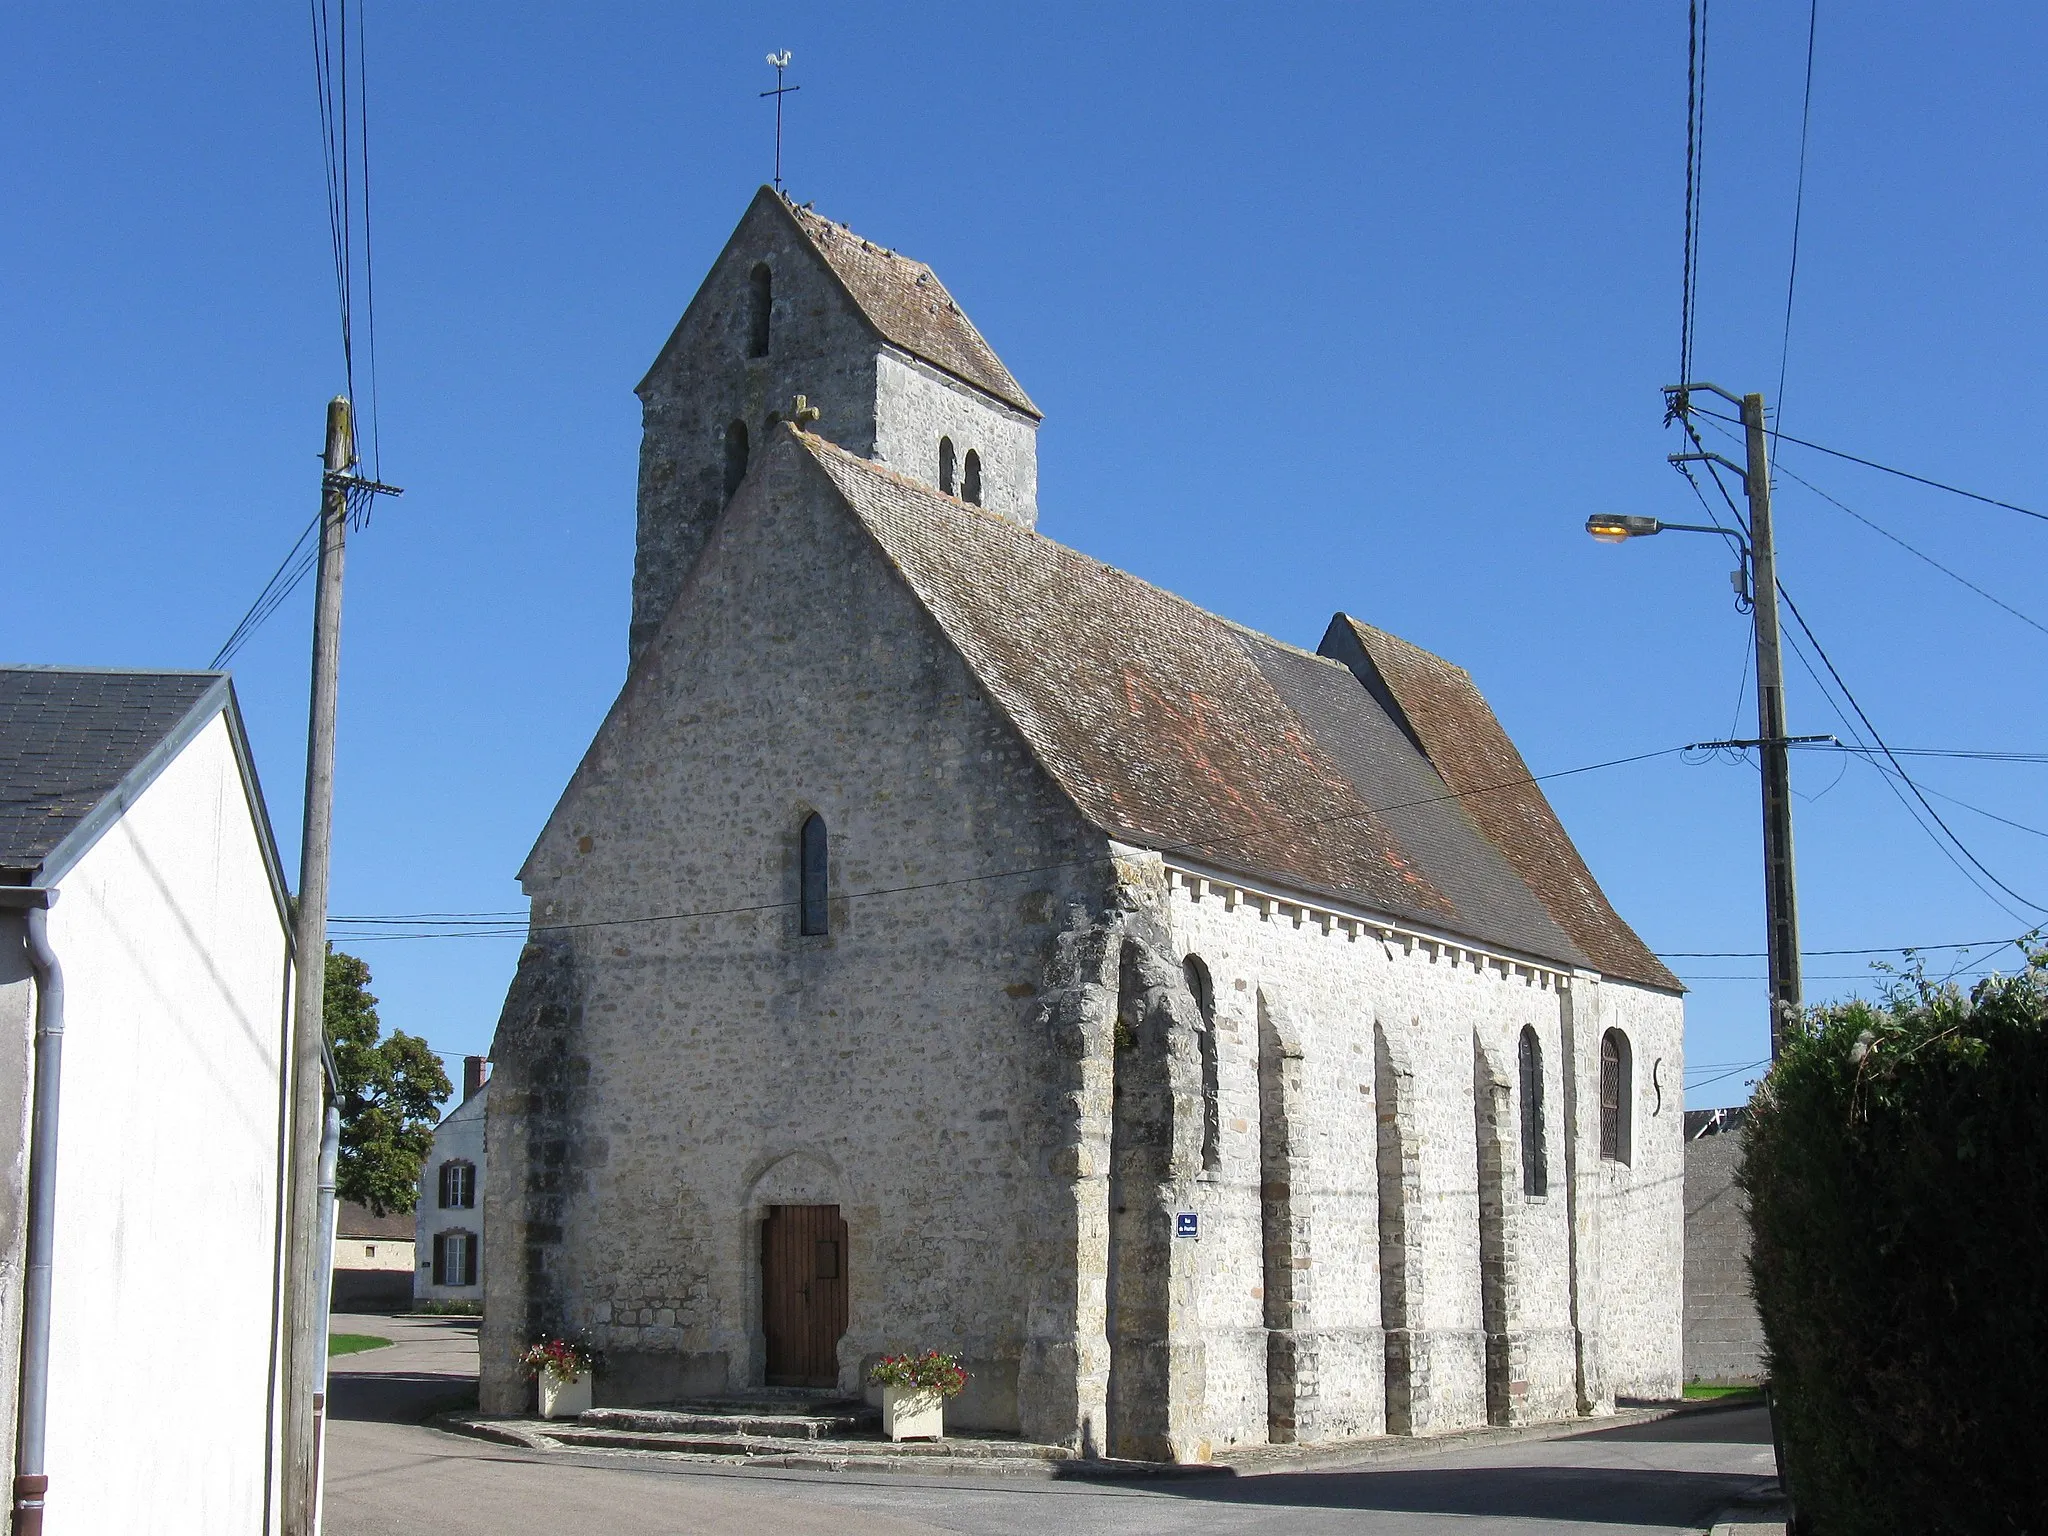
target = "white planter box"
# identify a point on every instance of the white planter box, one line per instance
(561, 1399)
(913, 1413)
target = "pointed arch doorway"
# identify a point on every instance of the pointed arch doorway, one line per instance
(803, 1294)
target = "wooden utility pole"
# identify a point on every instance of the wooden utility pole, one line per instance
(306, 1339)
(1781, 909)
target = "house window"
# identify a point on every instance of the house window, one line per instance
(735, 456)
(812, 870)
(455, 1258)
(970, 478)
(760, 309)
(458, 1186)
(1615, 1095)
(1203, 990)
(369, 1250)
(1535, 1170)
(946, 465)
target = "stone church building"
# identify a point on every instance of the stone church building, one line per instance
(950, 941)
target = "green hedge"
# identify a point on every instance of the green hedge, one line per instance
(1896, 1163)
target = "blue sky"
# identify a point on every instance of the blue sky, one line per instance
(1359, 307)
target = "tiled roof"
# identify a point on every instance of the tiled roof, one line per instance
(906, 302)
(1176, 730)
(68, 738)
(359, 1221)
(1454, 725)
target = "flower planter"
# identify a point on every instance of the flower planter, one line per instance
(913, 1413)
(560, 1399)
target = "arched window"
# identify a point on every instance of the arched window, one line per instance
(970, 479)
(1535, 1169)
(1616, 1092)
(735, 456)
(812, 868)
(458, 1185)
(1203, 991)
(946, 465)
(760, 309)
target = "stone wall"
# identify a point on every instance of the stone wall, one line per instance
(1724, 1340)
(660, 1083)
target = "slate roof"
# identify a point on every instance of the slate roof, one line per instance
(70, 738)
(1174, 729)
(352, 1219)
(1452, 722)
(905, 301)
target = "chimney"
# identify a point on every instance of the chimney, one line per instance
(472, 1076)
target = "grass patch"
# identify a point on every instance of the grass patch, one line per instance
(1708, 1391)
(353, 1343)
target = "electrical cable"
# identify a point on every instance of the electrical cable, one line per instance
(1798, 212)
(1695, 160)
(508, 929)
(267, 600)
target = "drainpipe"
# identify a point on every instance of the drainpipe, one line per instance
(330, 1157)
(31, 1483)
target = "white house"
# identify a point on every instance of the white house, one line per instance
(449, 1235)
(145, 982)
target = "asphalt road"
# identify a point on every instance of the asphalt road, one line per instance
(387, 1476)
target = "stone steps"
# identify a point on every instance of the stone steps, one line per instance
(703, 1440)
(734, 1421)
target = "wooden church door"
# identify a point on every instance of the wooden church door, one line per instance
(803, 1294)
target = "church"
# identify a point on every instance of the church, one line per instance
(949, 941)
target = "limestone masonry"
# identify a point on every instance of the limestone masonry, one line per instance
(950, 941)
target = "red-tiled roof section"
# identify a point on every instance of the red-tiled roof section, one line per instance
(1151, 714)
(907, 303)
(1459, 731)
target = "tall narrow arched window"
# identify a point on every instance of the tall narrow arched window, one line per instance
(1616, 1094)
(813, 867)
(1535, 1167)
(760, 308)
(735, 456)
(1203, 991)
(946, 465)
(970, 478)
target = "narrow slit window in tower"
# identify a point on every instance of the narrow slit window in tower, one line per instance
(1535, 1171)
(970, 479)
(1204, 993)
(735, 456)
(946, 465)
(760, 308)
(812, 868)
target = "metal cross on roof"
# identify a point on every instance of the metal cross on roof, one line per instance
(781, 62)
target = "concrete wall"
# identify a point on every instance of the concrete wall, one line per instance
(659, 1085)
(458, 1138)
(176, 977)
(1724, 1340)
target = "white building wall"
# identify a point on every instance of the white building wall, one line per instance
(916, 405)
(176, 975)
(459, 1137)
(1451, 1017)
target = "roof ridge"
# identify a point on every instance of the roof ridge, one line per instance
(889, 472)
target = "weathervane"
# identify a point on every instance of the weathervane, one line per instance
(781, 62)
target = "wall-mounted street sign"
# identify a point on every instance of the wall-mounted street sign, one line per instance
(1187, 1224)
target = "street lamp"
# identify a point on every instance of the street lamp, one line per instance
(1757, 581)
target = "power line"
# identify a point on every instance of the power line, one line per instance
(1917, 554)
(275, 591)
(1903, 474)
(1889, 949)
(1933, 814)
(1798, 211)
(480, 926)
(1695, 151)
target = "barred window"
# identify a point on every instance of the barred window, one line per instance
(1616, 1092)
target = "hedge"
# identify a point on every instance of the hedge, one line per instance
(1896, 1164)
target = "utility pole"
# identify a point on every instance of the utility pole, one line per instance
(306, 1341)
(1781, 909)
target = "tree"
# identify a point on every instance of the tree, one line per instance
(391, 1092)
